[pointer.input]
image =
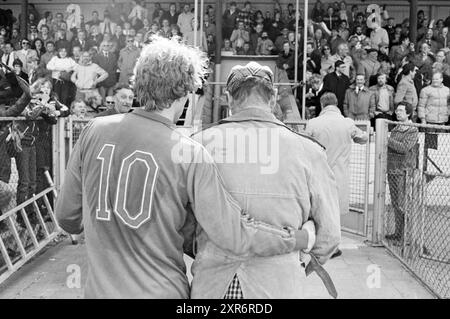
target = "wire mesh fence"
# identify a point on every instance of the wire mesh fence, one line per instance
(416, 221)
(25, 170)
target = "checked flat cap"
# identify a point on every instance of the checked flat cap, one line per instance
(241, 73)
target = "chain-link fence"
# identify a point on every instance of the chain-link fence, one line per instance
(25, 170)
(416, 217)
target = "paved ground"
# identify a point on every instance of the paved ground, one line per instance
(361, 272)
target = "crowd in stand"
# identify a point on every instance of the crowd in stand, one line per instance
(370, 64)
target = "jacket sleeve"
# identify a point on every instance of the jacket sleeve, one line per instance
(21, 103)
(422, 103)
(324, 207)
(372, 104)
(402, 143)
(400, 94)
(345, 106)
(225, 223)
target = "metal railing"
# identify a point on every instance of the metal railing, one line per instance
(412, 199)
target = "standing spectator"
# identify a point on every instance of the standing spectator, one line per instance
(48, 55)
(401, 159)
(95, 20)
(137, 11)
(441, 58)
(370, 65)
(8, 56)
(208, 26)
(239, 36)
(171, 15)
(398, 52)
(61, 66)
(428, 39)
(382, 100)
(119, 38)
(318, 12)
(246, 16)
(434, 107)
(342, 55)
(406, 91)
(127, 60)
(107, 26)
(108, 62)
(185, 19)
(424, 61)
(343, 30)
(114, 10)
(313, 95)
(336, 134)
(86, 76)
(229, 20)
(188, 38)
(285, 61)
(377, 36)
(357, 100)
(46, 20)
(443, 38)
(330, 19)
(57, 22)
(26, 54)
(265, 45)
(81, 41)
(335, 41)
(337, 83)
(95, 37)
(390, 28)
(45, 34)
(326, 62)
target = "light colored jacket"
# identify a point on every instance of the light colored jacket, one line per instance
(84, 76)
(356, 106)
(434, 104)
(336, 134)
(375, 98)
(185, 22)
(58, 65)
(26, 58)
(286, 183)
(406, 92)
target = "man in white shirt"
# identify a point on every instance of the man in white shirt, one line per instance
(185, 19)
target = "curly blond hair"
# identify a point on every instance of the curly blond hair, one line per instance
(167, 71)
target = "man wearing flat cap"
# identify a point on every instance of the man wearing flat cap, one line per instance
(337, 83)
(281, 176)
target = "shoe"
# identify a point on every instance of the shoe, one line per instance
(336, 254)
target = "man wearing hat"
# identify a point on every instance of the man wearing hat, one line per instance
(265, 166)
(337, 83)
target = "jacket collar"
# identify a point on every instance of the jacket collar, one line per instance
(153, 116)
(252, 114)
(330, 109)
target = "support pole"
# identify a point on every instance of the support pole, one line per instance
(305, 40)
(413, 21)
(217, 93)
(24, 19)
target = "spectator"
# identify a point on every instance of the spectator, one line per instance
(138, 40)
(326, 62)
(26, 54)
(337, 83)
(330, 19)
(281, 39)
(229, 20)
(95, 21)
(441, 58)
(208, 26)
(171, 15)
(335, 41)
(383, 53)
(406, 91)
(175, 33)
(137, 11)
(428, 39)
(246, 16)
(378, 35)
(314, 93)
(370, 65)
(8, 56)
(123, 100)
(46, 20)
(359, 33)
(390, 28)
(438, 67)
(382, 100)
(443, 38)
(45, 35)
(80, 41)
(245, 50)
(227, 49)
(118, 37)
(127, 60)
(95, 37)
(61, 66)
(285, 61)
(166, 30)
(398, 52)
(61, 41)
(343, 30)
(146, 28)
(18, 70)
(57, 22)
(357, 100)
(48, 55)
(34, 71)
(265, 46)
(342, 55)
(114, 10)
(434, 101)
(401, 159)
(86, 76)
(33, 35)
(188, 38)
(211, 47)
(107, 26)
(239, 36)
(108, 62)
(185, 19)
(424, 61)
(318, 12)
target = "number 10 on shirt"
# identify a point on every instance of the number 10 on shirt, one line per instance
(145, 181)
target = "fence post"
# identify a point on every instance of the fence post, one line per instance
(59, 155)
(379, 193)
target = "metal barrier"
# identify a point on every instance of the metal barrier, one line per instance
(412, 199)
(358, 221)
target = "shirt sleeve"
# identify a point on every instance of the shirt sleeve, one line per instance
(69, 204)
(225, 223)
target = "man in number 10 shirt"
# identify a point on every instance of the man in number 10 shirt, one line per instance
(130, 191)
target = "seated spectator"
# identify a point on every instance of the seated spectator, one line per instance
(245, 50)
(239, 36)
(166, 30)
(382, 100)
(86, 76)
(285, 61)
(127, 60)
(227, 49)
(357, 100)
(265, 46)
